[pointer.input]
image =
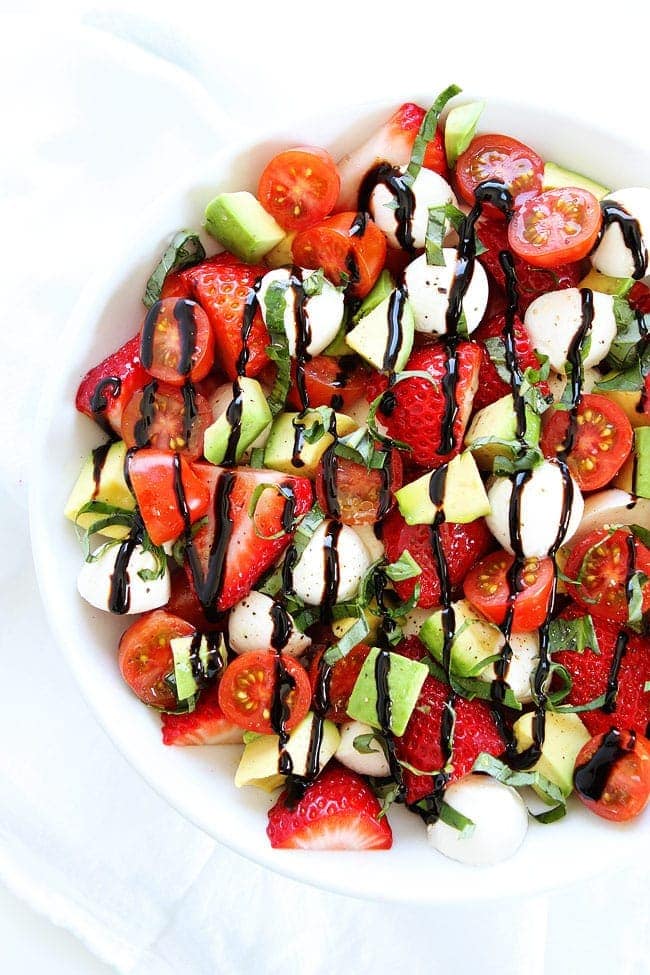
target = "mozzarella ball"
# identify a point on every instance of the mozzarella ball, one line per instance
(540, 510)
(500, 819)
(524, 660)
(94, 581)
(250, 627)
(324, 311)
(309, 575)
(374, 545)
(428, 288)
(612, 255)
(553, 319)
(613, 507)
(429, 190)
(373, 763)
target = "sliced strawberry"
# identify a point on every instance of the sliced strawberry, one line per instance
(639, 297)
(206, 725)
(590, 673)
(463, 546)
(339, 811)
(415, 408)
(109, 386)
(491, 386)
(252, 545)
(343, 677)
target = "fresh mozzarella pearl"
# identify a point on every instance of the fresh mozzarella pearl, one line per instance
(324, 311)
(553, 319)
(525, 656)
(250, 627)
(428, 288)
(613, 507)
(499, 816)
(94, 581)
(309, 575)
(557, 383)
(373, 763)
(612, 256)
(540, 510)
(429, 190)
(374, 545)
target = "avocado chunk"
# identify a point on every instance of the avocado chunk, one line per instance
(629, 401)
(606, 285)
(384, 337)
(556, 177)
(405, 680)
(493, 432)
(564, 736)
(244, 419)
(282, 254)
(463, 499)
(475, 638)
(259, 762)
(102, 479)
(460, 128)
(634, 475)
(380, 290)
(242, 225)
(212, 657)
(289, 451)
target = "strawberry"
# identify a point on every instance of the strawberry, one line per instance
(338, 811)
(590, 673)
(113, 382)
(639, 297)
(252, 546)
(463, 546)
(415, 408)
(342, 679)
(206, 725)
(491, 386)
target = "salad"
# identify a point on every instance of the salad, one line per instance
(375, 485)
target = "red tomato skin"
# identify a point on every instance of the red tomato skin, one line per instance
(122, 375)
(346, 244)
(612, 775)
(145, 656)
(299, 187)
(184, 602)
(263, 664)
(161, 341)
(530, 603)
(342, 679)
(493, 156)
(329, 381)
(152, 474)
(166, 431)
(603, 595)
(538, 231)
(360, 491)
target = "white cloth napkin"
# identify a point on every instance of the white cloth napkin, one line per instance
(100, 126)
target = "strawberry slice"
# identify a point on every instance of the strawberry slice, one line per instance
(234, 550)
(106, 389)
(339, 811)
(491, 386)
(463, 546)
(206, 725)
(416, 408)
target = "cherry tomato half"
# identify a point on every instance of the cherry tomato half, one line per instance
(330, 382)
(487, 588)
(601, 444)
(348, 246)
(247, 688)
(176, 341)
(555, 227)
(600, 565)
(361, 493)
(145, 657)
(342, 679)
(500, 158)
(299, 187)
(612, 775)
(162, 416)
(152, 474)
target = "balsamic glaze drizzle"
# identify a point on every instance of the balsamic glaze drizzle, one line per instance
(614, 213)
(99, 401)
(591, 778)
(391, 177)
(99, 456)
(119, 597)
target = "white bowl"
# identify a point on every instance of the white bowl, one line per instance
(199, 781)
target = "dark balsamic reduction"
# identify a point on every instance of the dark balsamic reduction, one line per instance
(611, 690)
(386, 475)
(99, 401)
(399, 188)
(208, 584)
(234, 417)
(591, 778)
(303, 334)
(330, 471)
(99, 456)
(202, 674)
(331, 569)
(396, 304)
(119, 597)
(147, 414)
(250, 307)
(631, 232)
(184, 313)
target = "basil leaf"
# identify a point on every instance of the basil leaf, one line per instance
(387, 793)
(630, 379)
(160, 557)
(635, 604)
(522, 460)
(257, 457)
(576, 635)
(471, 688)
(362, 744)
(286, 493)
(547, 790)
(356, 634)
(643, 534)
(624, 350)
(427, 132)
(593, 705)
(451, 817)
(496, 348)
(405, 568)
(313, 283)
(275, 303)
(435, 234)
(184, 249)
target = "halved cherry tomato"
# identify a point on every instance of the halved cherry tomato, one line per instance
(602, 439)
(299, 187)
(330, 382)
(359, 491)
(555, 227)
(612, 775)
(498, 157)
(145, 657)
(600, 565)
(342, 679)
(153, 474)
(348, 246)
(487, 588)
(176, 341)
(248, 685)
(162, 416)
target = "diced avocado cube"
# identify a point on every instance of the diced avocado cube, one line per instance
(405, 680)
(259, 762)
(289, 451)
(249, 402)
(556, 177)
(464, 497)
(564, 736)
(186, 686)
(460, 128)
(373, 336)
(380, 290)
(634, 475)
(474, 639)
(496, 424)
(106, 484)
(606, 285)
(282, 254)
(629, 401)
(242, 225)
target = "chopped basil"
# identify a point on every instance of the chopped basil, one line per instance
(313, 283)
(624, 350)
(184, 250)
(635, 618)
(427, 132)
(362, 743)
(118, 517)
(278, 351)
(574, 635)
(286, 493)
(451, 817)
(643, 534)
(522, 460)
(470, 688)
(359, 447)
(439, 219)
(547, 790)
(357, 632)
(405, 568)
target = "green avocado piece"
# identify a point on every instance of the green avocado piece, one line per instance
(556, 177)
(381, 289)
(606, 285)
(460, 128)
(564, 736)
(475, 638)
(107, 485)
(634, 475)
(372, 335)
(405, 680)
(464, 498)
(289, 451)
(186, 686)
(255, 416)
(497, 425)
(242, 225)
(259, 762)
